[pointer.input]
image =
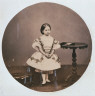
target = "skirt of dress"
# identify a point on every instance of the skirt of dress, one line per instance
(39, 61)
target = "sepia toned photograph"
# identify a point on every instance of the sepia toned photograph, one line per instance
(46, 47)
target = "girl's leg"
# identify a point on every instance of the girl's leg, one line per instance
(44, 79)
(47, 80)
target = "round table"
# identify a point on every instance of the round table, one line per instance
(73, 45)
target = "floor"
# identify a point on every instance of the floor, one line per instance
(49, 87)
(58, 80)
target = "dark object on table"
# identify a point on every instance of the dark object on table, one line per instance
(75, 45)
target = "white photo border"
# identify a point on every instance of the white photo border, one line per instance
(85, 85)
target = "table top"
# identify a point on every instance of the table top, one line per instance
(73, 45)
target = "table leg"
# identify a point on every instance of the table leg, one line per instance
(74, 76)
(74, 64)
(30, 79)
(55, 79)
(24, 80)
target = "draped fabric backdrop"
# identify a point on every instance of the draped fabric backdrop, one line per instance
(24, 28)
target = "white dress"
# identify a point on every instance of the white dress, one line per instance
(40, 61)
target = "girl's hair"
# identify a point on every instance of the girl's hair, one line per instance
(44, 26)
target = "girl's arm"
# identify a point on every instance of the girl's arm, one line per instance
(36, 45)
(52, 52)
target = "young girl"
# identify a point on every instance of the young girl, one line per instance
(45, 59)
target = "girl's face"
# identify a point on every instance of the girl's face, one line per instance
(47, 31)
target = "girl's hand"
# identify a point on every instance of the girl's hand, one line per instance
(48, 55)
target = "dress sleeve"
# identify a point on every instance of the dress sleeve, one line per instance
(36, 44)
(56, 45)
